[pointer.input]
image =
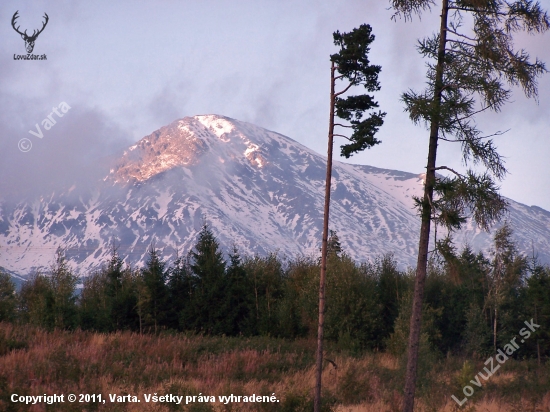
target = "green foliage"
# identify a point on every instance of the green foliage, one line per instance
(472, 73)
(119, 290)
(266, 296)
(179, 290)
(407, 8)
(538, 306)
(298, 309)
(457, 196)
(463, 378)
(354, 387)
(505, 281)
(361, 301)
(108, 300)
(352, 305)
(397, 343)
(8, 298)
(333, 244)
(154, 282)
(50, 301)
(35, 301)
(392, 285)
(62, 284)
(205, 313)
(352, 60)
(469, 71)
(303, 402)
(207, 260)
(266, 277)
(455, 288)
(94, 304)
(238, 302)
(477, 333)
(353, 65)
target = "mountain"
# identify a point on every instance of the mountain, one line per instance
(257, 189)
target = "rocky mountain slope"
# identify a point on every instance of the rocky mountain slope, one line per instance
(257, 189)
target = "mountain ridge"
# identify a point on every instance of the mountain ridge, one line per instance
(256, 188)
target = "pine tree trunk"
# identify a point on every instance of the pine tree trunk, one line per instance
(320, 330)
(422, 262)
(256, 294)
(538, 341)
(495, 331)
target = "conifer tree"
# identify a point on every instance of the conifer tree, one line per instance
(333, 244)
(113, 286)
(50, 301)
(298, 311)
(154, 280)
(95, 306)
(506, 276)
(391, 286)
(8, 298)
(266, 277)
(464, 321)
(63, 297)
(36, 300)
(107, 300)
(208, 267)
(470, 71)
(143, 299)
(351, 66)
(538, 298)
(238, 301)
(179, 290)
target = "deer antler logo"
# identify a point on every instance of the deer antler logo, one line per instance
(29, 40)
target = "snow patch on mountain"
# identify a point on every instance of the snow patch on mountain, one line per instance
(257, 189)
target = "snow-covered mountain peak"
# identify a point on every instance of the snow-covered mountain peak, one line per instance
(181, 143)
(187, 142)
(257, 189)
(228, 131)
(218, 125)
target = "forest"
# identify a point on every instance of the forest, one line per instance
(474, 302)
(214, 324)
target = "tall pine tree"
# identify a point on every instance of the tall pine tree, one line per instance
(351, 66)
(472, 67)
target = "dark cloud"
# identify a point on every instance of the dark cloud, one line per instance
(77, 150)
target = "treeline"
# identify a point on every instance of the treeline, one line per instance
(473, 303)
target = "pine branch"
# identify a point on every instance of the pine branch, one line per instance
(461, 119)
(449, 169)
(352, 83)
(474, 139)
(460, 35)
(462, 43)
(478, 11)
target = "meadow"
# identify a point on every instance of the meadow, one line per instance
(34, 361)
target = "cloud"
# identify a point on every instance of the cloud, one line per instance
(76, 150)
(131, 67)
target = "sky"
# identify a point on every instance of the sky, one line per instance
(126, 68)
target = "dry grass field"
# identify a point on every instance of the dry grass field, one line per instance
(35, 362)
